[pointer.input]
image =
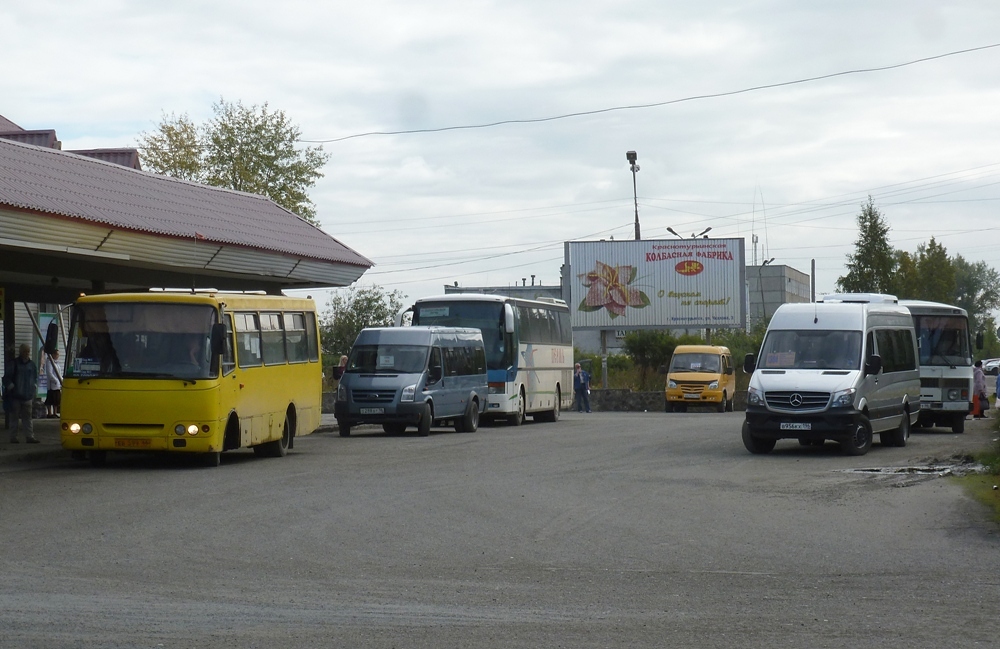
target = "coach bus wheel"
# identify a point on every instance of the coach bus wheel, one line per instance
(518, 418)
(97, 458)
(550, 415)
(426, 419)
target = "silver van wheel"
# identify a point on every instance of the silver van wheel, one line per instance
(898, 436)
(757, 445)
(860, 440)
(470, 423)
(426, 419)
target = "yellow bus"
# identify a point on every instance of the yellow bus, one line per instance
(195, 372)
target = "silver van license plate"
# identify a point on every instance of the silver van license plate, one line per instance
(372, 411)
(789, 425)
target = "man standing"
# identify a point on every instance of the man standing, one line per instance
(22, 388)
(581, 386)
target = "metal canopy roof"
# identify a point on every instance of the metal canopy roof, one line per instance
(69, 223)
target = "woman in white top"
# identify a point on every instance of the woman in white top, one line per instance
(53, 397)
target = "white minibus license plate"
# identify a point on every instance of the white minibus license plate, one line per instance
(790, 425)
(372, 411)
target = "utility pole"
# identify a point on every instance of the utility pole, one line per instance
(632, 157)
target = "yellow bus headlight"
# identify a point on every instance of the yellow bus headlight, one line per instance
(193, 429)
(179, 429)
(74, 428)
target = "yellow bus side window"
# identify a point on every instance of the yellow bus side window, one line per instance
(272, 338)
(296, 342)
(247, 340)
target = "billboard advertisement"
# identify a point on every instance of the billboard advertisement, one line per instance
(652, 284)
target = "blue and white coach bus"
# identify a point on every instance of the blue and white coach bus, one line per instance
(529, 349)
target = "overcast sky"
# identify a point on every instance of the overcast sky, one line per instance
(489, 206)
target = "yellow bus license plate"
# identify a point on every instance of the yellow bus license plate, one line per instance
(133, 443)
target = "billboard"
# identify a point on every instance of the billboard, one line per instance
(653, 284)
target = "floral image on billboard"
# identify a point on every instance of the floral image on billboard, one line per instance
(609, 287)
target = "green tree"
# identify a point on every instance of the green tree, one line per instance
(174, 149)
(935, 273)
(991, 343)
(648, 350)
(247, 148)
(352, 309)
(977, 290)
(741, 343)
(870, 267)
(905, 282)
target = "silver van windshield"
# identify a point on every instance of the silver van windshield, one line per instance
(388, 359)
(811, 350)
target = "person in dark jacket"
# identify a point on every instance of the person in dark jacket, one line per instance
(581, 386)
(22, 386)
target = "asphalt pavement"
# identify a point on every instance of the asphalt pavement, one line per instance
(50, 446)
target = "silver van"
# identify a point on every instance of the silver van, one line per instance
(414, 376)
(841, 369)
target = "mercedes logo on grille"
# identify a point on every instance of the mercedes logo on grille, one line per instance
(795, 399)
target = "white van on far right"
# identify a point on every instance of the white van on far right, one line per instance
(841, 369)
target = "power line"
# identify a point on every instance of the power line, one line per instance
(658, 104)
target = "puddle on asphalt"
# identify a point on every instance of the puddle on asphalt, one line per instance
(928, 470)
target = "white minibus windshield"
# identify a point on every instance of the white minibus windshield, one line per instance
(811, 350)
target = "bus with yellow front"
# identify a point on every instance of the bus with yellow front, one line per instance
(192, 372)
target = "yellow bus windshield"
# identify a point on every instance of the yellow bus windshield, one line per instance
(141, 340)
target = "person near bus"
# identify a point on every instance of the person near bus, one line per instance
(338, 370)
(53, 393)
(22, 386)
(981, 402)
(581, 386)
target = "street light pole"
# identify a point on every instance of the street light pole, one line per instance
(632, 157)
(760, 282)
